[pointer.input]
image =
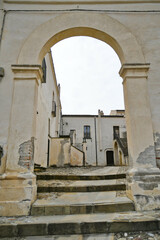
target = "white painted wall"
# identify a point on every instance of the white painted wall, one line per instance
(77, 122)
(44, 109)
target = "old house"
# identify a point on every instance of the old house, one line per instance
(94, 135)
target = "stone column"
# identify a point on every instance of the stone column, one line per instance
(143, 177)
(18, 184)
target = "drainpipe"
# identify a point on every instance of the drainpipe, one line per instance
(95, 140)
(100, 113)
(2, 28)
(1, 33)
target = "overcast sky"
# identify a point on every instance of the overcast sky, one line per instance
(87, 70)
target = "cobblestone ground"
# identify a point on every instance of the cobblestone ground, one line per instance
(70, 170)
(137, 236)
(82, 170)
(118, 236)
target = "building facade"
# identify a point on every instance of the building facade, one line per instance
(95, 136)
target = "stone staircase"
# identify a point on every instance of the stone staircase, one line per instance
(80, 194)
(92, 203)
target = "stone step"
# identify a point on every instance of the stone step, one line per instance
(53, 209)
(81, 209)
(79, 224)
(80, 186)
(49, 176)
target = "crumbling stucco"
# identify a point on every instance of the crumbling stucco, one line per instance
(148, 186)
(147, 156)
(1, 154)
(143, 202)
(26, 154)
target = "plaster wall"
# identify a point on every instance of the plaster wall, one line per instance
(60, 152)
(95, 143)
(44, 113)
(76, 157)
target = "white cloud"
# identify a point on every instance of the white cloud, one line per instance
(87, 70)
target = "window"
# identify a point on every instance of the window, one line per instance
(53, 106)
(44, 70)
(87, 133)
(115, 131)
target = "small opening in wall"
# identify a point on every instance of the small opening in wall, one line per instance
(109, 158)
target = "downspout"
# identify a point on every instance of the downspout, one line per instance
(61, 125)
(5, 12)
(100, 113)
(95, 128)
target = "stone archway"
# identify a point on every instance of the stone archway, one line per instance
(134, 72)
(95, 25)
(109, 30)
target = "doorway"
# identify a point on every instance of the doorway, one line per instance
(109, 158)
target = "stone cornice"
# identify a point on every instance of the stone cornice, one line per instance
(80, 1)
(134, 70)
(27, 72)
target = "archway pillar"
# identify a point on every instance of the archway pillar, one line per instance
(18, 184)
(143, 177)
